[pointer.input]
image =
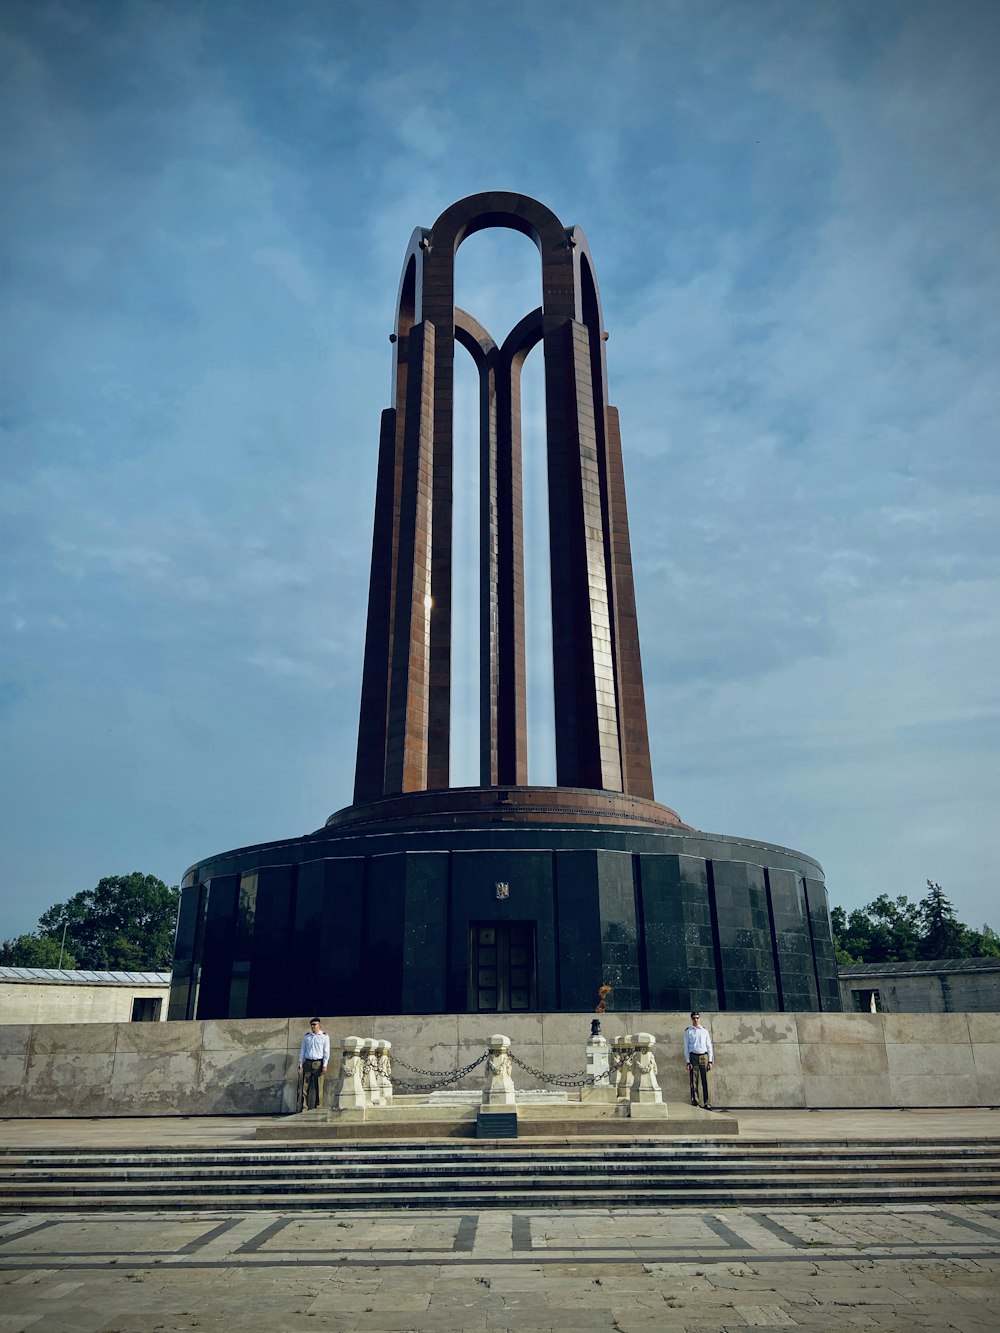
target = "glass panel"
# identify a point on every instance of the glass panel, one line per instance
(487, 976)
(519, 999)
(518, 956)
(487, 935)
(488, 956)
(487, 999)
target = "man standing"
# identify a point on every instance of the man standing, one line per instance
(314, 1056)
(698, 1056)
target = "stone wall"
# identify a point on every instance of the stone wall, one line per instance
(247, 1066)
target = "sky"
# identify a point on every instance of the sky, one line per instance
(793, 211)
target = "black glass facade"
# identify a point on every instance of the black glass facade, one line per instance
(678, 937)
(384, 922)
(794, 966)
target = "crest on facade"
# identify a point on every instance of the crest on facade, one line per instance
(503, 890)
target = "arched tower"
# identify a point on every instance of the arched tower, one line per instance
(600, 720)
(423, 898)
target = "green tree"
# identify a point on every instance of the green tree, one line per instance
(895, 930)
(887, 930)
(897, 927)
(126, 923)
(35, 951)
(943, 934)
(987, 943)
(838, 920)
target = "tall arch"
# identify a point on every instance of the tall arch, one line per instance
(404, 737)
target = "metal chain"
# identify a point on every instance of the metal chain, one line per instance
(440, 1080)
(579, 1079)
(561, 1080)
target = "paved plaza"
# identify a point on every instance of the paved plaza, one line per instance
(915, 1267)
(890, 1267)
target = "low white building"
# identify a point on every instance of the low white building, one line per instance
(62, 995)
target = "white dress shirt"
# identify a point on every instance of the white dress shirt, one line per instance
(315, 1046)
(697, 1041)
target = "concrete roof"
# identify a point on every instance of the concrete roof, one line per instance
(923, 965)
(63, 976)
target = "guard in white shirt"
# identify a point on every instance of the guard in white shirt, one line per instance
(314, 1056)
(699, 1057)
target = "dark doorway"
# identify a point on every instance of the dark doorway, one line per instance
(502, 967)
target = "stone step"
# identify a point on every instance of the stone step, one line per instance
(459, 1187)
(154, 1168)
(513, 1201)
(107, 1171)
(394, 1153)
(966, 1184)
(511, 1176)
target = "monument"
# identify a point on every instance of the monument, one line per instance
(421, 897)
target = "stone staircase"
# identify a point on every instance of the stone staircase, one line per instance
(505, 1174)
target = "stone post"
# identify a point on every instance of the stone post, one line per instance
(645, 1089)
(597, 1057)
(350, 1091)
(383, 1071)
(621, 1054)
(369, 1073)
(499, 1086)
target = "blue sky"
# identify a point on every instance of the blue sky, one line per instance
(793, 211)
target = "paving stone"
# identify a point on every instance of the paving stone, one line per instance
(388, 1322)
(460, 1315)
(587, 1275)
(556, 1318)
(771, 1316)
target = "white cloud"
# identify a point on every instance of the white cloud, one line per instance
(793, 218)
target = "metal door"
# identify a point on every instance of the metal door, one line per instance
(502, 967)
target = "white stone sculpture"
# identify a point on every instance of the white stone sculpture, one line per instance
(645, 1089)
(383, 1071)
(499, 1087)
(597, 1058)
(350, 1091)
(369, 1072)
(622, 1049)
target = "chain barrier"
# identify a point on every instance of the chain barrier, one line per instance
(562, 1080)
(579, 1079)
(440, 1080)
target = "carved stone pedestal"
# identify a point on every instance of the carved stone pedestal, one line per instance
(499, 1087)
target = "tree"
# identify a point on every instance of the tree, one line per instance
(838, 920)
(944, 936)
(887, 930)
(986, 942)
(897, 930)
(125, 924)
(35, 951)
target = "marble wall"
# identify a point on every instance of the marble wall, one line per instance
(670, 919)
(247, 1066)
